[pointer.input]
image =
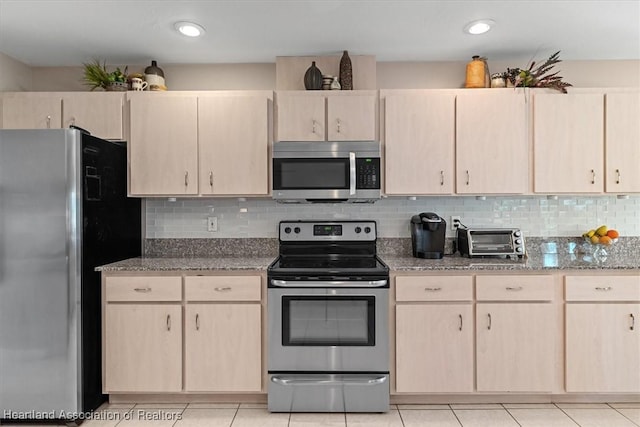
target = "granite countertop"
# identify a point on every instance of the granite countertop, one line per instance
(257, 254)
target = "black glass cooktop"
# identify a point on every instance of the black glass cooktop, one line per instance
(329, 265)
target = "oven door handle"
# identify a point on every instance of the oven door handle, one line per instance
(292, 381)
(328, 283)
(352, 173)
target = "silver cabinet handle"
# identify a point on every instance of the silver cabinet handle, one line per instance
(605, 289)
(145, 290)
(211, 179)
(468, 178)
(460, 317)
(186, 178)
(224, 289)
(441, 177)
(48, 122)
(514, 288)
(73, 121)
(593, 176)
(197, 322)
(618, 176)
(313, 129)
(489, 321)
(168, 322)
(352, 173)
(633, 322)
(432, 289)
(338, 125)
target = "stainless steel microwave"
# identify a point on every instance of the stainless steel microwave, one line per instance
(329, 172)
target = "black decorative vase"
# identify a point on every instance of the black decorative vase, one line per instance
(313, 78)
(346, 73)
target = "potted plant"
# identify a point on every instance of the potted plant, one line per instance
(97, 76)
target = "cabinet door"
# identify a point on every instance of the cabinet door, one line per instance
(163, 146)
(351, 117)
(419, 130)
(515, 347)
(223, 347)
(300, 117)
(434, 348)
(622, 142)
(568, 143)
(31, 112)
(603, 348)
(233, 134)
(492, 143)
(143, 348)
(99, 113)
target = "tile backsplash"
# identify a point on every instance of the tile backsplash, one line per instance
(535, 215)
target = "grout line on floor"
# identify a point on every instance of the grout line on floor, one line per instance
(616, 409)
(570, 417)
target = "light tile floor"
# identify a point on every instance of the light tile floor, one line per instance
(455, 415)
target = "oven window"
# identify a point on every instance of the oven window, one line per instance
(321, 174)
(328, 320)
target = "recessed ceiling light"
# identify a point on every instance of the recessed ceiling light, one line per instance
(480, 26)
(189, 29)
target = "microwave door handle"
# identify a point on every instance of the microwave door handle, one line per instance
(352, 173)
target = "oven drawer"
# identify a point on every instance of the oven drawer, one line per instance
(295, 392)
(515, 288)
(143, 288)
(434, 288)
(222, 288)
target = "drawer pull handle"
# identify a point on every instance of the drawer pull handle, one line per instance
(606, 288)
(514, 288)
(186, 178)
(460, 317)
(313, 129)
(211, 179)
(145, 290)
(225, 289)
(48, 122)
(489, 324)
(338, 125)
(618, 176)
(432, 289)
(168, 322)
(593, 176)
(633, 322)
(197, 322)
(441, 177)
(468, 178)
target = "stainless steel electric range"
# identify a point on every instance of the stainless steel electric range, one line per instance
(328, 319)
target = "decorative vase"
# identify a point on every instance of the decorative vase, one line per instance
(335, 84)
(313, 78)
(477, 73)
(346, 72)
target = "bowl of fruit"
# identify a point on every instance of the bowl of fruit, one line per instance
(601, 236)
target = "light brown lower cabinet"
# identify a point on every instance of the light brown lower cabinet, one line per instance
(143, 348)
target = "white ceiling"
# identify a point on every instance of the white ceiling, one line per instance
(68, 33)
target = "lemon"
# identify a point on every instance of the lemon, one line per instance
(590, 233)
(602, 230)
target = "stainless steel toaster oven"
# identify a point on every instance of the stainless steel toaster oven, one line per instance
(502, 242)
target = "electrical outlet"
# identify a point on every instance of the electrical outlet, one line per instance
(212, 223)
(455, 222)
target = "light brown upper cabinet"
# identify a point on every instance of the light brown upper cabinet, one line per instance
(233, 141)
(568, 136)
(492, 142)
(419, 141)
(163, 145)
(31, 110)
(622, 142)
(322, 116)
(99, 113)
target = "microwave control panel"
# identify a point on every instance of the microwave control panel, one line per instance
(368, 173)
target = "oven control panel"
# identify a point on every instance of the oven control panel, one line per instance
(327, 230)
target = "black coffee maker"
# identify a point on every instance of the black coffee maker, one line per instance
(427, 235)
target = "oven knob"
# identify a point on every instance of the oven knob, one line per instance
(358, 230)
(518, 241)
(296, 230)
(518, 249)
(287, 230)
(517, 233)
(367, 230)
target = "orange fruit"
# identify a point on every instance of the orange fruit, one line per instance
(595, 239)
(613, 234)
(605, 240)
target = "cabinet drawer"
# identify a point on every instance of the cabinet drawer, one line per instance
(223, 288)
(434, 288)
(138, 288)
(514, 288)
(602, 288)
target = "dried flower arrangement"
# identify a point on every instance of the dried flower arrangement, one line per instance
(538, 77)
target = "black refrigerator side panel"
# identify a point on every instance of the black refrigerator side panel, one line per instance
(111, 231)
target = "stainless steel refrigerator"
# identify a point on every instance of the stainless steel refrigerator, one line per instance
(63, 211)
